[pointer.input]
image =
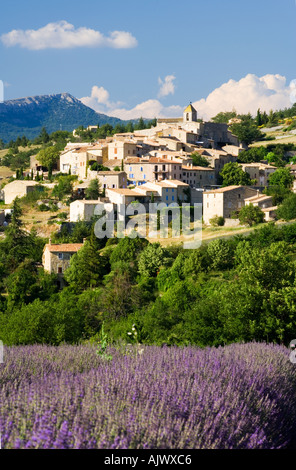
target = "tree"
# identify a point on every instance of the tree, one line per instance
(128, 249)
(140, 124)
(151, 259)
(63, 187)
(93, 189)
(224, 118)
(287, 210)
(43, 136)
(259, 118)
(233, 174)
(246, 130)
(275, 159)
(199, 160)
(17, 241)
(48, 157)
(220, 254)
(251, 215)
(87, 268)
(281, 177)
(269, 267)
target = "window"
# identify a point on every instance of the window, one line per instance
(200, 177)
(167, 198)
(60, 270)
(166, 190)
(175, 176)
(131, 175)
(115, 151)
(173, 190)
(173, 198)
(130, 168)
(61, 256)
(144, 176)
(239, 196)
(141, 168)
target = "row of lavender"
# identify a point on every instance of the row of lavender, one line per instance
(239, 396)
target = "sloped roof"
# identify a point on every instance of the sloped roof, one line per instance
(190, 109)
(64, 247)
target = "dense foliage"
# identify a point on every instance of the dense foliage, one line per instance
(234, 290)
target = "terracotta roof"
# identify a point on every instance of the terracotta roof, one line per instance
(113, 162)
(224, 190)
(175, 182)
(124, 191)
(88, 201)
(132, 160)
(64, 247)
(268, 209)
(111, 172)
(197, 168)
(261, 197)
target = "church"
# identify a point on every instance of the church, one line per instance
(206, 134)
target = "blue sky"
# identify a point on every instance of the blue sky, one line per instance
(170, 53)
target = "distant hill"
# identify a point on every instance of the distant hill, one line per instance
(27, 116)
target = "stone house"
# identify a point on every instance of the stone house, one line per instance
(56, 258)
(18, 188)
(139, 171)
(198, 176)
(169, 191)
(124, 196)
(120, 149)
(83, 209)
(109, 179)
(76, 159)
(223, 202)
(265, 203)
(259, 172)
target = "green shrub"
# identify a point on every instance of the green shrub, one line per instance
(217, 221)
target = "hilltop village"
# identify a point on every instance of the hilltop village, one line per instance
(175, 161)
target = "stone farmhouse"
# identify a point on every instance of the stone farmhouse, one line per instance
(259, 172)
(18, 188)
(223, 202)
(56, 258)
(83, 209)
(265, 204)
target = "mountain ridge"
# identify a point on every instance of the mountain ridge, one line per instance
(60, 111)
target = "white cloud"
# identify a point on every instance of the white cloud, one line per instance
(148, 109)
(100, 102)
(63, 35)
(167, 86)
(247, 95)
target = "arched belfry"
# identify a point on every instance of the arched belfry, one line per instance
(190, 114)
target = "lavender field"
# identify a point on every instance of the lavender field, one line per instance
(234, 397)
